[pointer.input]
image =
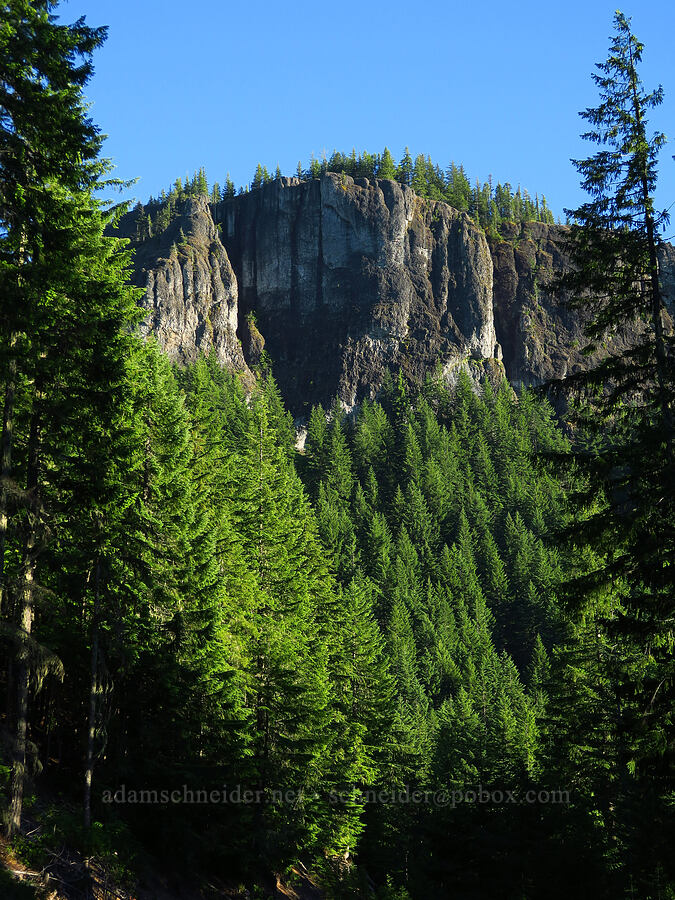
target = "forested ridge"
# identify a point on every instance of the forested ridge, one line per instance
(489, 204)
(424, 651)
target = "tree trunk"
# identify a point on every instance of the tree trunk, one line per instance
(8, 425)
(6, 466)
(25, 624)
(93, 696)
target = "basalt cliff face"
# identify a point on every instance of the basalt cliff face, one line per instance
(542, 338)
(341, 279)
(190, 288)
(348, 278)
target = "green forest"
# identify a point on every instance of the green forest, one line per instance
(425, 652)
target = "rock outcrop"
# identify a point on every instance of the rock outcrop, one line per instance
(190, 288)
(338, 280)
(542, 338)
(348, 278)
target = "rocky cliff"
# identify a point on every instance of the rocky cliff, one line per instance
(190, 288)
(541, 337)
(341, 279)
(347, 278)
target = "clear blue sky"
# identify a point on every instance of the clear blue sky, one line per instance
(496, 86)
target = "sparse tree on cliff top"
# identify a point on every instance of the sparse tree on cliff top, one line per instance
(387, 167)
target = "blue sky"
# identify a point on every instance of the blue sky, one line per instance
(496, 86)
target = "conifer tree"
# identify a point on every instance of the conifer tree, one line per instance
(258, 177)
(316, 449)
(405, 168)
(229, 189)
(62, 287)
(289, 660)
(627, 418)
(419, 176)
(387, 166)
(361, 720)
(314, 167)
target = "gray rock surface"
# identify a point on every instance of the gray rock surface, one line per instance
(339, 279)
(348, 277)
(190, 288)
(541, 336)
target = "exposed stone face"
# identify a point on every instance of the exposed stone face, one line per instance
(541, 337)
(350, 277)
(190, 288)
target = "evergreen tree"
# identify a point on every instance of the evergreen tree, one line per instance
(419, 177)
(62, 289)
(405, 168)
(289, 660)
(258, 178)
(387, 166)
(228, 190)
(315, 458)
(629, 396)
(360, 723)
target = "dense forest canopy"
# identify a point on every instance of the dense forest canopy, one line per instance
(429, 654)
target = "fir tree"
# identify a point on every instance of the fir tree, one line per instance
(387, 166)
(62, 287)
(405, 169)
(629, 395)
